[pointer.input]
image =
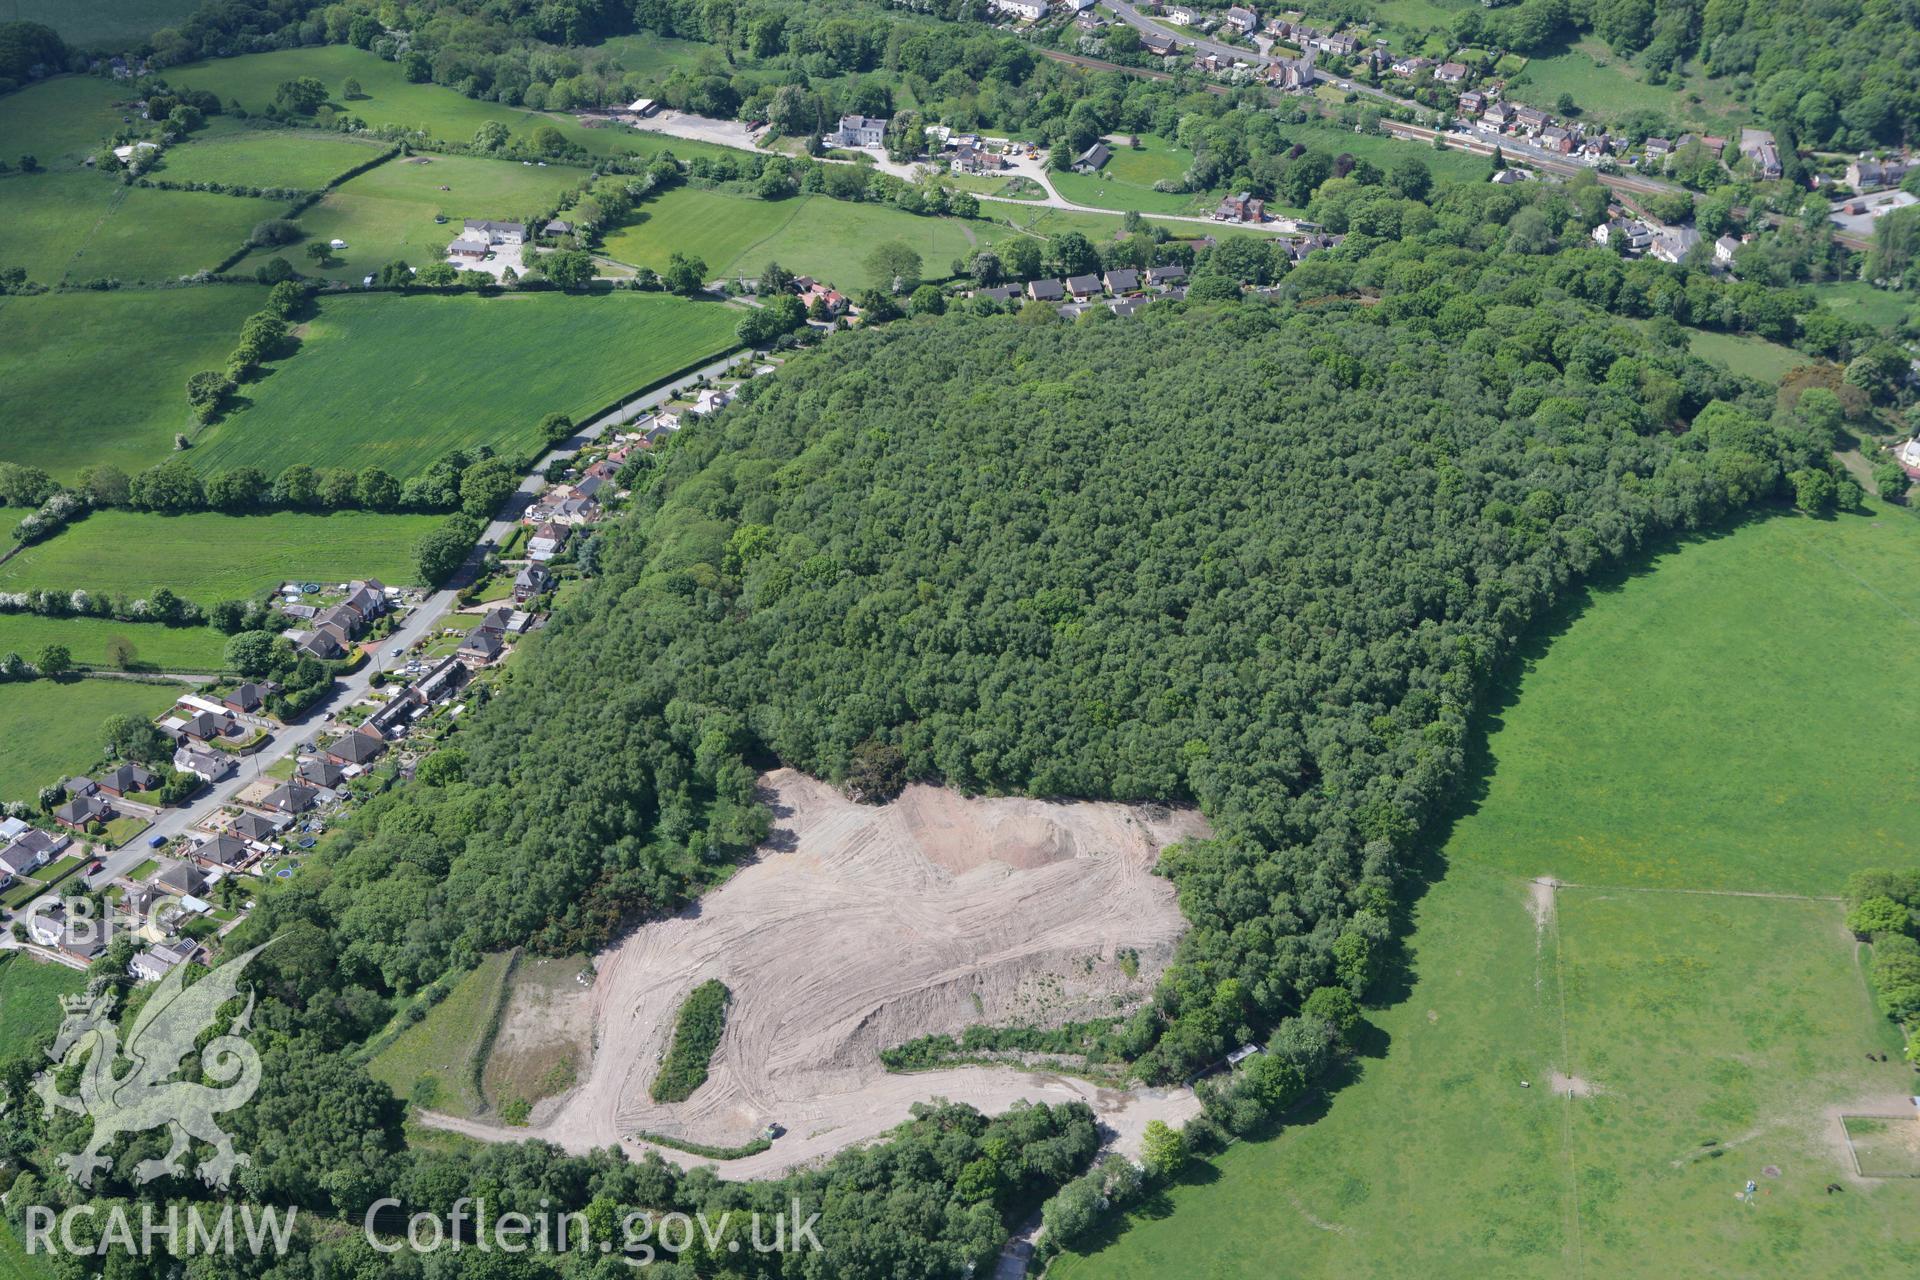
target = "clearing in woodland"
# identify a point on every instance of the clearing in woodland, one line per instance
(1722, 723)
(862, 927)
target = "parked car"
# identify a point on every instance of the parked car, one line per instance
(153, 842)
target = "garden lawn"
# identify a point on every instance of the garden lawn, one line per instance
(156, 647)
(382, 379)
(101, 377)
(387, 214)
(103, 24)
(1385, 151)
(446, 1046)
(206, 557)
(390, 100)
(304, 158)
(61, 121)
(1746, 355)
(1126, 181)
(1721, 722)
(52, 727)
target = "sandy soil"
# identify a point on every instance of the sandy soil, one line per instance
(860, 927)
(1572, 1086)
(1540, 901)
(547, 1022)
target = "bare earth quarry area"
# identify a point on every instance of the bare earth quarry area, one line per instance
(859, 927)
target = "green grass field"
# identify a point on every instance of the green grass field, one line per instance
(101, 377)
(1861, 301)
(50, 217)
(62, 121)
(301, 158)
(1605, 85)
(655, 56)
(443, 1046)
(156, 648)
(1126, 181)
(30, 992)
(208, 558)
(52, 727)
(157, 236)
(103, 24)
(390, 99)
(15, 1263)
(1746, 355)
(1384, 151)
(813, 235)
(447, 372)
(1728, 722)
(387, 213)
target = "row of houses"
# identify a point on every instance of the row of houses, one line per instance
(1119, 282)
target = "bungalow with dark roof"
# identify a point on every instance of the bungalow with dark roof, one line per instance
(1083, 287)
(1122, 280)
(481, 646)
(258, 827)
(358, 747)
(1046, 290)
(320, 772)
(128, 778)
(291, 797)
(223, 851)
(1161, 277)
(245, 698)
(76, 813)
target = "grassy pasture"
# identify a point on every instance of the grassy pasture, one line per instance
(1861, 301)
(103, 24)
(390, 100)
(1720, 723)
(265, 158)
(52, 729)
(30, 992)
(442, 1046)
(206, 557)
(387, 213)
(1746, 355)
(61, 121)
(1384, 152)
(813, 235)
(101, 377)
(448, 372)
(156, 648)
(50, 216)
(1605, 85)
(158, 236)
(647, 54)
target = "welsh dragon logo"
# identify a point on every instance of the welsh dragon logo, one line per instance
(146, 1097)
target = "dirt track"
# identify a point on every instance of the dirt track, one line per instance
(862, 927)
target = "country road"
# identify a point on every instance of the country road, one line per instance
(419, 621)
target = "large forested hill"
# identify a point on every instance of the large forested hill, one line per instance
(1260, 559)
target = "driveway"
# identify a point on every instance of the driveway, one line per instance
(422, 619)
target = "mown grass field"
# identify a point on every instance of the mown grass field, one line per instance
(387, 214)
(1126, 181)
(301, 158)
(52, 727)
(647, 54)
(440, 373)
(63, 120)
(103, 24)
(156, 648)
(1728, 722)
(443, 1046)
(1384, 151)
(207, 557)
(101, 377)
(390, 99)
(1746, 355)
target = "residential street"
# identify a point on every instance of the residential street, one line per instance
(423, 618)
